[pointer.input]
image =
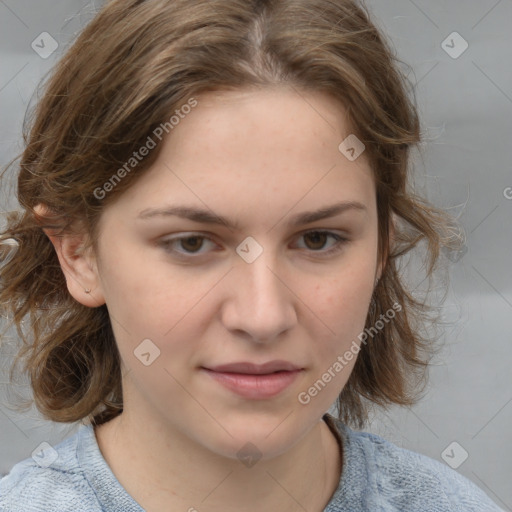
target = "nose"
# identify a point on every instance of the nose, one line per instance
(261, 304)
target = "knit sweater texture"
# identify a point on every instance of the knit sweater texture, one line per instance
(377, 476)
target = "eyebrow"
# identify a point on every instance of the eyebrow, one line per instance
(207, 217)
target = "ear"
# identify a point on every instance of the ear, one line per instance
(78, 263)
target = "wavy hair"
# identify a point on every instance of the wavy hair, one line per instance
(133, 65)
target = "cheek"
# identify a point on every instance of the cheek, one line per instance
(144, 292)
(340, 306)
(172, 311)
(342, 303)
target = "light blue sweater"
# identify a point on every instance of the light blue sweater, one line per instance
(377, 476)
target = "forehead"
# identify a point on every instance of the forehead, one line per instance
(271, 150)
(251, 120)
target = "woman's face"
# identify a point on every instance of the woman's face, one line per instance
(187, 295)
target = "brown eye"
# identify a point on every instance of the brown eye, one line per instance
(184, 246)
(191, 244)
(317, 239)
(315, 242)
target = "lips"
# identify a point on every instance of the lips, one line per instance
(254, 381)
(256, 369)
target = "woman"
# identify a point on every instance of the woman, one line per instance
(216, 203)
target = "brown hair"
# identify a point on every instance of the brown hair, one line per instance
(130, 68)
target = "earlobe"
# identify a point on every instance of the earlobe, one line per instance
(77, 263)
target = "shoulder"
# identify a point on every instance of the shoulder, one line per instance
(399, 479)
(405, 475)
(51, 480)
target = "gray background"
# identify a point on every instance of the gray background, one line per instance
(466, 109)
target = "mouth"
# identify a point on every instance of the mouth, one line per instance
(254, 381)
(255, 369)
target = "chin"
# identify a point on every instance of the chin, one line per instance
(263, 437)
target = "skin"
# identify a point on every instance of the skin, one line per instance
(259, 157)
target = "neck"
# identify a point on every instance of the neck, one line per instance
(168, 470)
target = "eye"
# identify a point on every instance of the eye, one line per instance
(318, 240)
(191, 244)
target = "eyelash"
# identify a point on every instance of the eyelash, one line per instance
(338, 246)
